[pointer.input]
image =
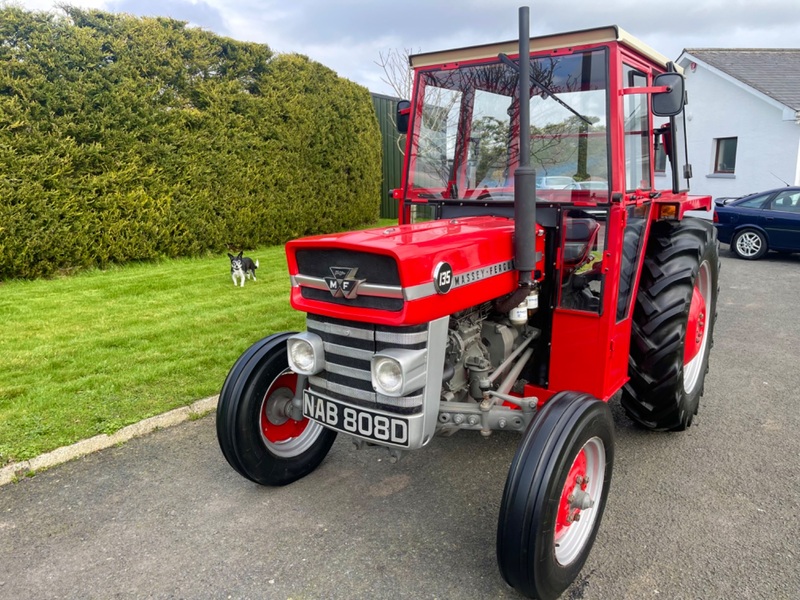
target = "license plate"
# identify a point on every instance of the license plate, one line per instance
(355, 420)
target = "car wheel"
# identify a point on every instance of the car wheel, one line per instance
(255, 431)
(749, 244)
(555, 495)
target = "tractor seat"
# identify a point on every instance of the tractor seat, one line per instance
(580, 237)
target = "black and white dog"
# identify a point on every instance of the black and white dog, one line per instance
(242, 267)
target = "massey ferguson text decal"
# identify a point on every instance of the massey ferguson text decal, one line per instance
(444, 279)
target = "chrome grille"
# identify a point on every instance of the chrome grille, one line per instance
(349, 346)
(378, 274)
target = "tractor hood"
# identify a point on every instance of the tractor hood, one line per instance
(407, 274)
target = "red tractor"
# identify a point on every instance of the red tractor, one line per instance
(542, 264)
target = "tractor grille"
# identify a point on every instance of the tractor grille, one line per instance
(349, 346)
(379, 276)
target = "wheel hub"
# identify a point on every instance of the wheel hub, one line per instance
(276, 424)
(574, 498)
(576, 514)
(277, 406)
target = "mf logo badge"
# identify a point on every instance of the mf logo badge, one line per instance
(343, 284)
(443, 278)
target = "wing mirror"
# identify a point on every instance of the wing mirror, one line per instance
(669, 103)
(403, 112)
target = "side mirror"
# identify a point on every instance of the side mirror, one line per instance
(669, 103)
(403, 112)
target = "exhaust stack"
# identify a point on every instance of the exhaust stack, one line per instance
(525, 175)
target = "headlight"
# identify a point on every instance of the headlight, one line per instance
(306, 354)
(397, 372)
(302, 355)
(388, 375)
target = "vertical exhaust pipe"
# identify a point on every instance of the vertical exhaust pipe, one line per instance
(525, 175)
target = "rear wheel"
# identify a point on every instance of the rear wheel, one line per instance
(254, 428)
(555, 495)
(673, 325)
(749, 244)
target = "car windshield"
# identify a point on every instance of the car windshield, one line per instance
(465, 143)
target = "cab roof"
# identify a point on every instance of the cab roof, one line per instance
(598, 35)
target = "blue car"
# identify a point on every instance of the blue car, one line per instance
(754, 224)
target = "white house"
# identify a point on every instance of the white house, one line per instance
(743, 119)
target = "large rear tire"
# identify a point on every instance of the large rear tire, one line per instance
(673, 325)
(563, 465)
(256, 435)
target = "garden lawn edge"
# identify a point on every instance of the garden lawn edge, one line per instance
(16, 471)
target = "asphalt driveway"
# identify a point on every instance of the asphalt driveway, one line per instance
(713, 512)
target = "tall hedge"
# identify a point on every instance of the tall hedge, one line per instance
(125, 138)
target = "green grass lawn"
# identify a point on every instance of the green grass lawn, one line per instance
(92, 353)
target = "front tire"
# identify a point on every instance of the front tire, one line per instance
(673, 325)
(563, 464)
(749, 244)
(255, 433)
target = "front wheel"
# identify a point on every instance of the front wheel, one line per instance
(555, 495)
(255, 430)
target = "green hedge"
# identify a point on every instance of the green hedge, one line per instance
(125, 138)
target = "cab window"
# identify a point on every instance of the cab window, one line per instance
(637, 132)
(583, 241)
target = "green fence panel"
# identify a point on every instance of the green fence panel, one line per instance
(393, 147)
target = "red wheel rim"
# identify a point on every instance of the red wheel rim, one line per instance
(577, 512)
(696, 326)
(276, 428)
(566, 514)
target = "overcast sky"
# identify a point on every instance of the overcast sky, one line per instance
(348, 35)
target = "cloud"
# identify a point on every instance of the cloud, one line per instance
(197, 13)
(348, 35)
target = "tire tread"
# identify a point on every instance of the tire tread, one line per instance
(654, 394)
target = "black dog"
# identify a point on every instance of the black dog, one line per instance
(242, 267)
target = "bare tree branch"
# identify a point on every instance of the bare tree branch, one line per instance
(397, 72)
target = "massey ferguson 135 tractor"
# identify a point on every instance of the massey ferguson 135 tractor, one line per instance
(542, 263)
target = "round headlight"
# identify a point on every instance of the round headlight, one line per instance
(301, 354)
(388, 374)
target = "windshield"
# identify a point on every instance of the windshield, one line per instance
(466, 133)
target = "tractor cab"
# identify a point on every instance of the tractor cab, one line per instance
(604, 110)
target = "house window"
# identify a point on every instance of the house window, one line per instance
(725, 161)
